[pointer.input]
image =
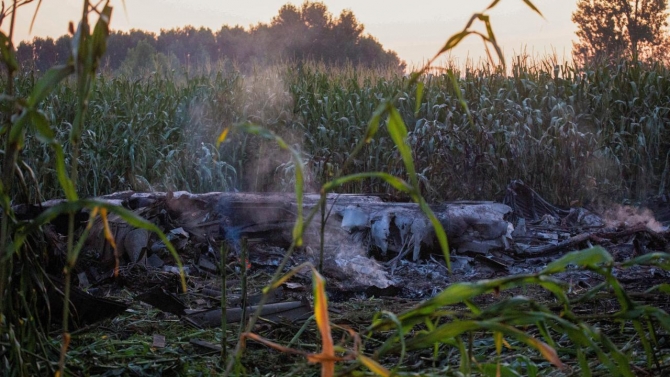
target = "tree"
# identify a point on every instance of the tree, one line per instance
(296, 33)
(119, 43)
(188, 44)
(609, 29)
(140, 59)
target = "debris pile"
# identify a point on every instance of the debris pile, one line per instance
(369, 247)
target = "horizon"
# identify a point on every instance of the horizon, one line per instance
(412, 33)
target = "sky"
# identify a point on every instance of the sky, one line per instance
(415, 30)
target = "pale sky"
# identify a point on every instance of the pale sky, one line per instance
(415, 30)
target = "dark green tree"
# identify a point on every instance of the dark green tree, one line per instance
(40, 54)
(119, 43)
(296, 33)
(140, 59)
(609, 29)
(190, 45)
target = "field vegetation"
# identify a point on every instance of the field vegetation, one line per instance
(574, 133)
(578, 134)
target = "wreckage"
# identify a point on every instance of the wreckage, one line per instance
(370, 246)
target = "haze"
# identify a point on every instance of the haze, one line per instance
(415, 32)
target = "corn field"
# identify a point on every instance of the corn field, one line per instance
(577, 135)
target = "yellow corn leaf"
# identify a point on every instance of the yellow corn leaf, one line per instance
(323, 323)
(509, 346)
(288, 276)
(320, 358)
(498, 337)
(91, 218)
(374, 366)
(548, 352)
(66, 342)
(271, 344)
(110, 239)
(222, 137)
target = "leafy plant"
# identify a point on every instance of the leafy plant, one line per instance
(18, 238)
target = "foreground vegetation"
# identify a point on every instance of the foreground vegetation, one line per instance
(572, 133)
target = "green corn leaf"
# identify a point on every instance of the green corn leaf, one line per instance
(459, 292)
(7, 52)
(648, 350)
(547, 352)
(44, 133)
(664, 288)
(554, 287)
(658, 259)
(395, 182)
(48, 83)
(442, 334)
(373, 124)
(544, 330)
(419, 97)
(16, 129)
(439, 230)
(398, 132)
(61, 171)
(585, 258)
(299, 187)
(100, 34)
(583, 363)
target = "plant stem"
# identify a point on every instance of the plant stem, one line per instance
(11, 155)
(224, 305)
(84, 78)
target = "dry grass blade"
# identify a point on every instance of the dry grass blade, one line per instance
(327, 355)
(287, 276)
(110, 238)
(547, 352)
(269, 343)
(374, 366)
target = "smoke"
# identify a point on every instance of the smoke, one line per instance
(620, 216)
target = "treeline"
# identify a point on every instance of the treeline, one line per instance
(308, 32)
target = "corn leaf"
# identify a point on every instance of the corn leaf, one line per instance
(419, 97)
(47, 83)
(374, 366)
(585, 258)
(222, 136)
(395, 182)
(323, 324)
(7, 52)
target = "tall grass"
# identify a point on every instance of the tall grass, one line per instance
(575, 134)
